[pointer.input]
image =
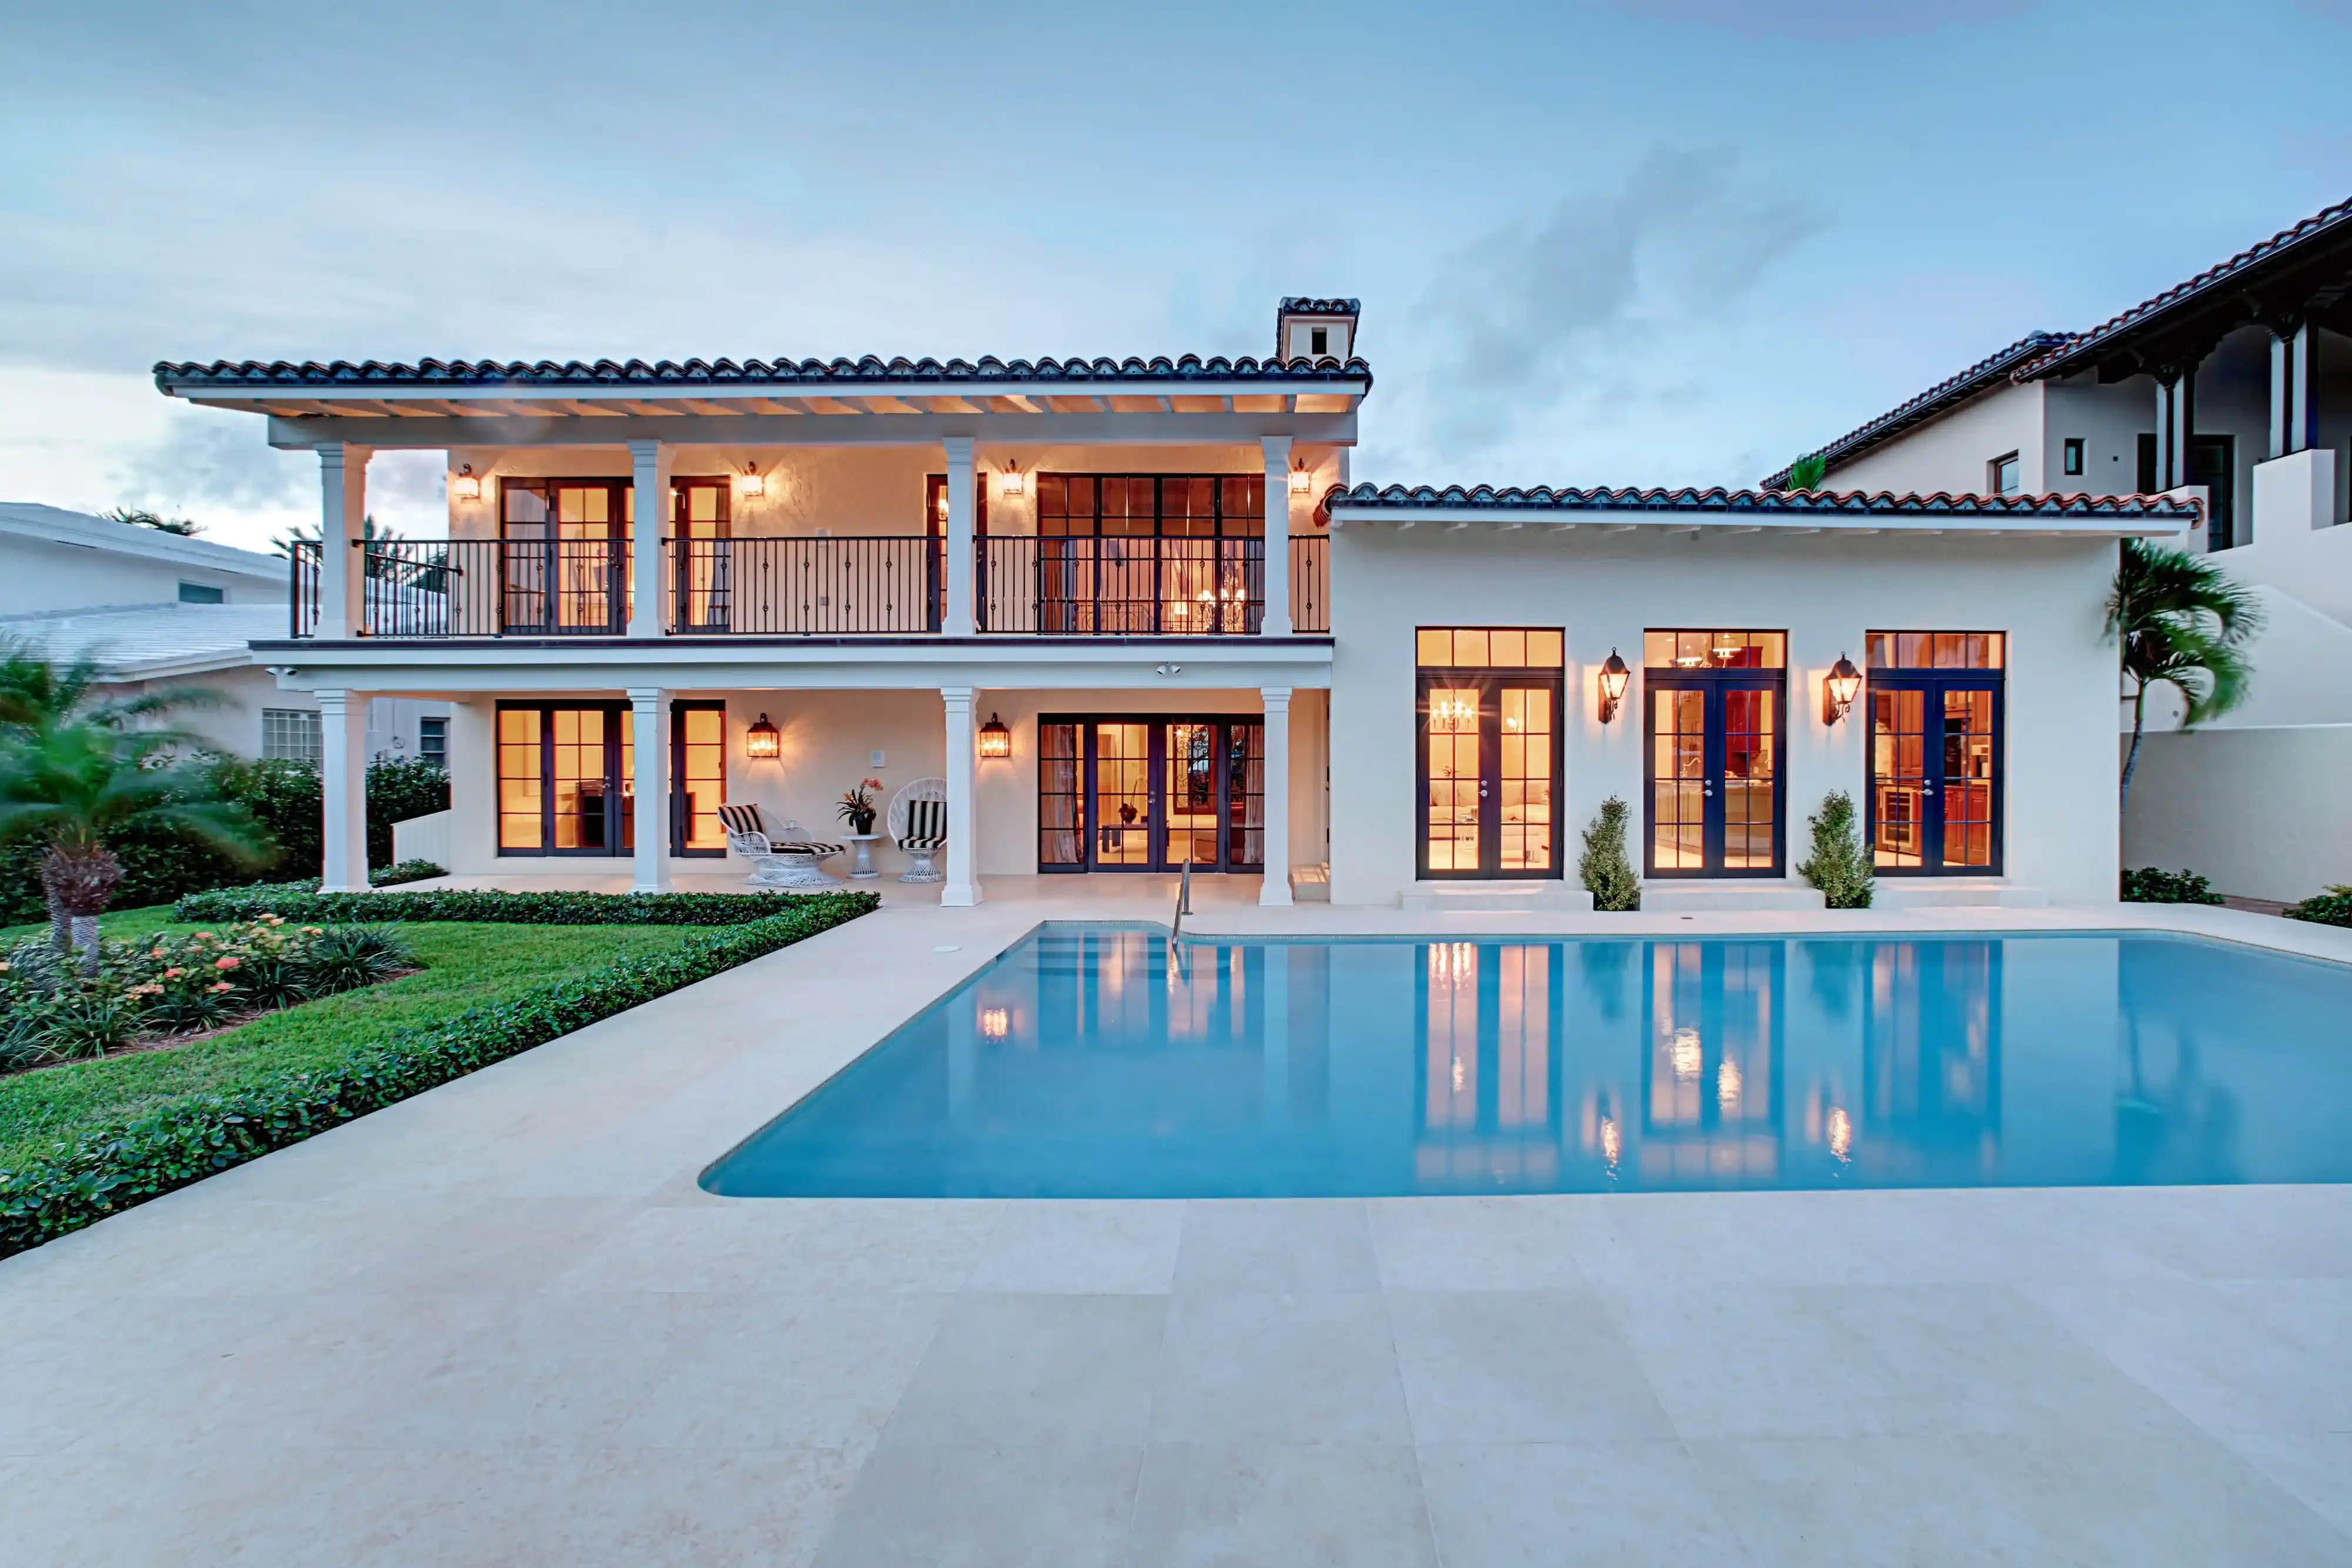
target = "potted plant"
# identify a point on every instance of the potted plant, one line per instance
(857, 805)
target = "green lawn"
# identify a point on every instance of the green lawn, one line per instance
(466, 967)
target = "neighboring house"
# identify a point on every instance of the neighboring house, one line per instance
(1134, 615)
(51, 559)
(159, 611)
(2234, 387)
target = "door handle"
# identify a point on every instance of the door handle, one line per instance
(1710, 788)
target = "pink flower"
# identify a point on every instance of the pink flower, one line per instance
(314, 931)
(224, 986)
(225, 961)
(173, 974)
(154, 952)
(202, 937)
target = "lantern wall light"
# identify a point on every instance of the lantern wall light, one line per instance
(1301, 480)
(1839, 688)
(755, 483)
(761, 743)
(467, 486)
(1016, 483)
(1614, 676)
(995, 739)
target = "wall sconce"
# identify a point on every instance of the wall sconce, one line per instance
(466, 485)
(754, 483)
(1839, 688)
(1016, 483)
(1301, 480)
(1614, 678)
(995, 740)
(761, 743)
(995, 1023)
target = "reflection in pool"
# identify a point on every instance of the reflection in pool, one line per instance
(1085, 1063)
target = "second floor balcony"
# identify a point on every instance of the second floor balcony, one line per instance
(855, 585)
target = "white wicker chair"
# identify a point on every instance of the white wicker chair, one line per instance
(791, 862)
(919, 822)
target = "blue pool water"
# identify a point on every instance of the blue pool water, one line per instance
(1078, 1065)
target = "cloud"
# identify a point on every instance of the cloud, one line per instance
(1835, 21)
(1595, 308)
(215, 463)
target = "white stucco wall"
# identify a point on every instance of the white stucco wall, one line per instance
(1951, 453)
(1825, 591)
(40, 576)
(2260, 811)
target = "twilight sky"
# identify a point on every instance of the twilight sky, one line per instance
(1598, 242)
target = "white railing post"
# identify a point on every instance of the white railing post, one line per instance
(342, 520)
(1275, 621)
(342, 773)
(649, 462)
(960, 621)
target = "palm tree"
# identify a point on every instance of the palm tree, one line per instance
(76, 770)
(2184, 623)
(1807, 472)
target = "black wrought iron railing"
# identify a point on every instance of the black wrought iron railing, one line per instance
(1310, 583)
(847, 586)
(855, 585)
(1113, 586)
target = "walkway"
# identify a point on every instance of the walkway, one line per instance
(500, 1324)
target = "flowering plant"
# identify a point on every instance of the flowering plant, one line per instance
(857, 805)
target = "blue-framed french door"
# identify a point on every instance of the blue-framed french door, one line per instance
(1713, 771)
(1936, 772)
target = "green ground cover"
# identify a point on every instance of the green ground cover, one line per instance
(466, 966)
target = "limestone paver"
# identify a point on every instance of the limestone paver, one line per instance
(500, 1323)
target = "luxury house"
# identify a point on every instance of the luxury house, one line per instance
(1119, 616)
(2234, 387)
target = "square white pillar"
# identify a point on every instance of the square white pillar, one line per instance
(961, 556)
(963, 888)
(1275, 837)
(649, 465)
(342, 769)
(1275, 622)
(649, 739)
(343, 522)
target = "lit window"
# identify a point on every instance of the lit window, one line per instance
(201, 593)
(289, 735)
(2075, 455)
(2005, 474)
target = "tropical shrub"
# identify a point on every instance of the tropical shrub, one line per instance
(1606, 872)
(399, 788)
(185, 1140)
(2153, 886)
(1838, 865)
(404, 871)
(302, 901)
(2333, 907)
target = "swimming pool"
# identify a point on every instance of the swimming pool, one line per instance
(1085, 1062)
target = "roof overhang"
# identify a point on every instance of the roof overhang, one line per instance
(1692, 511)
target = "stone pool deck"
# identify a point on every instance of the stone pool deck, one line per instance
(500, 1324)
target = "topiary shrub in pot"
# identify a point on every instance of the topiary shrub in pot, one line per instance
(1607, 873)
(1838, 865)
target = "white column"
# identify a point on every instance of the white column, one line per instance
(342, 764)
(2303, 408)
(342, 482)
(2281, 424)
(649, 462)
(963, 887)
(649, 736)
(1274, 838)
(1276, 622)
(958, 621)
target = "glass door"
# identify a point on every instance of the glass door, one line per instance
(1490, 758)
(1139, 794)
(1936, 701)
(1122, 796)
(1715, 703)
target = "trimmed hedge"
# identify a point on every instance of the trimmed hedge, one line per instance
(2333, 907)
(119, 1167)
(303, 902)
(2150, 885)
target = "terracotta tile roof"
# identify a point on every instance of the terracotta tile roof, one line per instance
(834, 374)
(2327, 222)
(1718, 501)
(1945, 394)
(1302, 305)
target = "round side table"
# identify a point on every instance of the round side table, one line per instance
(863, 868)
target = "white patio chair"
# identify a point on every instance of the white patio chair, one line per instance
(789, 862)
(918, 821)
